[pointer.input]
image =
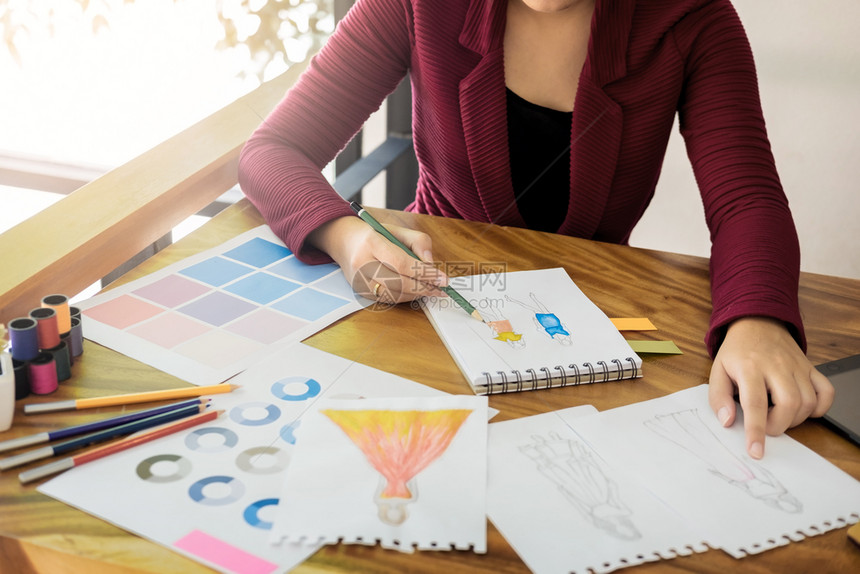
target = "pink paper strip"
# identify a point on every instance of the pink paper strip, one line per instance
(219, 552)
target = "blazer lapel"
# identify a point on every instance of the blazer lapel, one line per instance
(483, 111)
(598, 120)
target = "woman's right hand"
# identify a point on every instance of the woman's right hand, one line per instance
(377, 268)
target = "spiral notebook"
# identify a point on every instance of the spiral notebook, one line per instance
(539, 331)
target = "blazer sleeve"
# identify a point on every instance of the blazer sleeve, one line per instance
(755, 255)
(280, 165)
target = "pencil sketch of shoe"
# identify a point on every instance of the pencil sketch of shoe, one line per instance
(686, 429)
(545, 321)
(581, 480)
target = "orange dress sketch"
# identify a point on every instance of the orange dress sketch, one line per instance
(502, 329)
(399, 445)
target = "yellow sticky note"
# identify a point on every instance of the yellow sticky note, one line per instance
(633, 324)
(655, 347)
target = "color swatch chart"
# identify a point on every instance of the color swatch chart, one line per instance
(212, 492)
(212, 315)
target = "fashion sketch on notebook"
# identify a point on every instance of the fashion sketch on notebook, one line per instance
(540, 331)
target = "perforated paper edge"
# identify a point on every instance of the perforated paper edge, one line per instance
(796, 536)
(479, 547)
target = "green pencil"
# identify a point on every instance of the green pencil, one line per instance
(450, 291)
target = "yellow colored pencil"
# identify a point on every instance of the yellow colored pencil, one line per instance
(131, 398)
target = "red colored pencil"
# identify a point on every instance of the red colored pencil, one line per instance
(119, 446)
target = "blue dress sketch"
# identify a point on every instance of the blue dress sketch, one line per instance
(582, 481)
(547, 322)
(686, 429)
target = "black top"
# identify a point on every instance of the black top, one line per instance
(539, 144)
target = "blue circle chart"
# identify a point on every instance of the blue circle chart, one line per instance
(235, 492)
(250, 460)
(288, 431)
(251, 514)
(228, 439)
(144, 469)
(284, 388)
(237, 414)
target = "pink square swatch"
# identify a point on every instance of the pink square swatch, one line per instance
(169, 330)
(217, 349)
(266, 326)
(172, 290)
(122, 312)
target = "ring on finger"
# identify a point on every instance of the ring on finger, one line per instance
(376, 289)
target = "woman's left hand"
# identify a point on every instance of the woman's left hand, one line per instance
(759, 357)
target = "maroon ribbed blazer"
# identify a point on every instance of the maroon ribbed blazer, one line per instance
(647, 60)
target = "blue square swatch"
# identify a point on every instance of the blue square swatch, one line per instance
(262, 288)
(338, 285)
(292, 268)
(216, 271)
(258, 252)
(309, 304)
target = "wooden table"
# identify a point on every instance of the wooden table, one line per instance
(39, 534)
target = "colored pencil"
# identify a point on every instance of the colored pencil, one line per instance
(450, 291)
(43, 437)
(100, 436)
(119, 446)
(115, 400)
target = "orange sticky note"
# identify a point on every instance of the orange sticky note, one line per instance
(633, 324)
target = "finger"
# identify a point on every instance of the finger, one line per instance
(824, 392)
(807, 393)
(787, 399)
(421, 244)
(753, 399)
(808, 402)
(721, 395)
(408, 278)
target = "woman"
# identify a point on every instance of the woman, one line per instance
(555, 114)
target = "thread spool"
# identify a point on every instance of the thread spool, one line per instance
(60, 304)
(46, 327)
(22, 378)
(62, 361)
(43, 374)
(74, 312)
(76, 338)
(24, 337)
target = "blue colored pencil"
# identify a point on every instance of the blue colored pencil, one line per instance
(101, 436)
(43, 437)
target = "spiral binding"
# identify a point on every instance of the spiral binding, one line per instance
(559, 376)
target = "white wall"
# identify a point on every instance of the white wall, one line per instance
(808, 58)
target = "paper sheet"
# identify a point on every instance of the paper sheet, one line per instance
(564, 509)
(401, 472)
(211, 315)
(211, 493)
(677, 449)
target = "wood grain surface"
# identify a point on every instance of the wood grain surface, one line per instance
(39, 534)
